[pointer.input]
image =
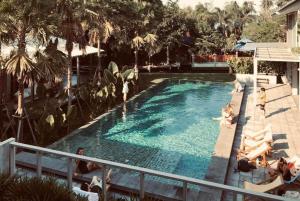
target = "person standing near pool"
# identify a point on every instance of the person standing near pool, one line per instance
(125, 90)
(263, 100)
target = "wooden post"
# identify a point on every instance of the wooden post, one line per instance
(70, 173)
(184, 191)
(104, 175)
(12, 160)
(39, 163)
(255, 63)
(142, 186)
(78, 71)
(299, 86)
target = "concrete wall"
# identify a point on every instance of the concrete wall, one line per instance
(292, 29)
(4, 156)
(248, 78)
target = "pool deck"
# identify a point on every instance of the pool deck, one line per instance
(283, 115)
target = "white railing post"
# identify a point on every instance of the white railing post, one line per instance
(104, 176)
(5, 155)
(70, 173)
(184, 198)
(12, 160)
(39, 163)
(142, 186)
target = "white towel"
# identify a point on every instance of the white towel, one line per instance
(91, 196)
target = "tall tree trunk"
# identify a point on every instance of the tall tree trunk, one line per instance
(20, 109)
(21, 78)
(32, 88)
(136, 58)
(97, 75)
(168, 55)
(69, 80)
(78, 71)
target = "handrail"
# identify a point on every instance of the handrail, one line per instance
(143, 171)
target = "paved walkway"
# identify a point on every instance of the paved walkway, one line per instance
(282, 113)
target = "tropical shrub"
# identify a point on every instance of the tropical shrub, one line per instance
(29, 189)
(241, 65)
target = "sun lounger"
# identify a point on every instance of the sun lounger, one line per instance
(90, 195)
(261, 150)
(262, 188)
(250, 144)
(258, 135)
(52, 166)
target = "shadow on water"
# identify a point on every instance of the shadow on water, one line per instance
(142, 156)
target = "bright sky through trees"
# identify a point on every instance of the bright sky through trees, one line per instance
(215, 3)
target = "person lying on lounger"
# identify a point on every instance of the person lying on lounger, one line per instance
(84, 167)
(93, 191)
(287, 168)
(96, 184)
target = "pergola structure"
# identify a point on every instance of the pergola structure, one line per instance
(276, 55)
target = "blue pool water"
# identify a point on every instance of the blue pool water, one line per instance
(168, 128)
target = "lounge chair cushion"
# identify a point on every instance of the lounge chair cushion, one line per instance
(255, 143)
(91, 196)
(262, 149)
(264, 187)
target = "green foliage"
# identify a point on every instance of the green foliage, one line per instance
(29, 189)
(41, 91)
(265, 31)
(241, 65)
(272, 68)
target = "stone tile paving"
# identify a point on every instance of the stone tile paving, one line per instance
(282, 113)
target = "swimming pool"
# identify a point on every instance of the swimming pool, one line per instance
(167, 128)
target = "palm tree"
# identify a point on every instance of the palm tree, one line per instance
(72, 31)
(137, 43)
(101, 30)
(25, 19)
(266, 8)
(152, 48)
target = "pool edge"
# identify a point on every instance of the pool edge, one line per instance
(218, 167)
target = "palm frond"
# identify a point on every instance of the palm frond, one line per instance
(21, 66)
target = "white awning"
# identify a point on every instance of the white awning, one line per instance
(32, 47)
(275, 54)
(248, 47)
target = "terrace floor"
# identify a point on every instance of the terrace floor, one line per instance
(282, 113)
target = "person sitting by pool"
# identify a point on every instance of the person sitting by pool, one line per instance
(84, 167)
(227, 115)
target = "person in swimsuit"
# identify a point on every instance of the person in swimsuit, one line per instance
(84, 167)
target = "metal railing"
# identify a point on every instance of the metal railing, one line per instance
(142, 172)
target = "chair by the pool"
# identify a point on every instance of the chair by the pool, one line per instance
(250, 144)
(90, 195)
(258, 135)
(262, 188)
(261, 150)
